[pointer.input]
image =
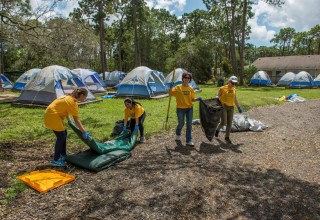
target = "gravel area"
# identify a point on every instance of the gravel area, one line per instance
(274, 174)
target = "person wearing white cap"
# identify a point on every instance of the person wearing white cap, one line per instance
(228, 98)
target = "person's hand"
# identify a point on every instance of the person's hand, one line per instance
(239, 109)
(199, 98)
(136, 128)
(124, 128)
(85, 134)
(171, 84)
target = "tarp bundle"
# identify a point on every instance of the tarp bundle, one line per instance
(103, 155)
(242, 122)
(210, 113)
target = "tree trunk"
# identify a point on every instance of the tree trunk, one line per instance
(136, 42)
(243, 35)
(232, 39)
(102, 49)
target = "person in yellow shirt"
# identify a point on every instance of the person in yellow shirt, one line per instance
(185, 97)
(137, 115)
(228, 98)
(54, 116)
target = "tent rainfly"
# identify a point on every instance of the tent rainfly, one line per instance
(91, 79)
(114, 78)
(50, 83)
(302, 80)
(141, 82)
(316, 81)
(25, 78)
(178, 79)
(286, 79)
(260, 78)
(5, 82)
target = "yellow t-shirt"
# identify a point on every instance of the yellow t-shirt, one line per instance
(184, 96)
(227, 95)
(135, 112)
(58, 110)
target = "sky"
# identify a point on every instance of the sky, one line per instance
(267, 21)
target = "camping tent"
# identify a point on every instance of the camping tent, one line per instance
(91, 79)
(141, 82)
(114, 78)
(286, 79)
(50, 83)
(260, 78)
(316, 81)
(25, 78)
(302, 80)
(178, 79)
(5, 82)
(161, 75)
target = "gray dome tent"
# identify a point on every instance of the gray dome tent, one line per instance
(50, 83)
(286, 79)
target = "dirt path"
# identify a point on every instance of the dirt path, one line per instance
(273, 174)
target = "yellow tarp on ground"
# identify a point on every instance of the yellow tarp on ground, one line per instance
(45, 180)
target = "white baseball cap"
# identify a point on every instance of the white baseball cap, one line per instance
(233, 79)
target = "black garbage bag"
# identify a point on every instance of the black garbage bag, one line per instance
(210, 113)
(118, 128)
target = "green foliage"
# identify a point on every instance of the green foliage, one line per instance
(13, 190)
(248, 72)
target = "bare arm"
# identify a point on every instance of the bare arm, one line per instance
(78, 123)
(236, 101)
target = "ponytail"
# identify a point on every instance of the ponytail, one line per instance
(78, 92)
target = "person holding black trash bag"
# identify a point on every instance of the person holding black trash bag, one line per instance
(137, 115)
(184, 94)
(54, 116)
(228, 98)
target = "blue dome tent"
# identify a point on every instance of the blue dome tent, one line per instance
(286, 79)
(141, 82)
(91, 79)
(178, 79)
(316, 81)
(5, 82)
(114, 78)
(260, 78)
(50, 83)
(25, 78)
(302, 80)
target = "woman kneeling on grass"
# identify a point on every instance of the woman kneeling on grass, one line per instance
(136, 113)
(54, 117)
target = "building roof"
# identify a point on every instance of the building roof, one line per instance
(304, 62)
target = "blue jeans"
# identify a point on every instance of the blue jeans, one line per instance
(182, 113)
(60, 146)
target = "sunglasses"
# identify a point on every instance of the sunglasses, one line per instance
(186, 77)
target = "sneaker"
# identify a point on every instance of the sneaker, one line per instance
(190, 143)
(142, 140)
(216, 134)
(228, 140)
(58, 163)
(63, 157)
(178, 138)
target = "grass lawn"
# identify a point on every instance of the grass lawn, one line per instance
(26, 124)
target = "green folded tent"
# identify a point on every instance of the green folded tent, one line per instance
(96, 162)
(124, 141)
(103, 155)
